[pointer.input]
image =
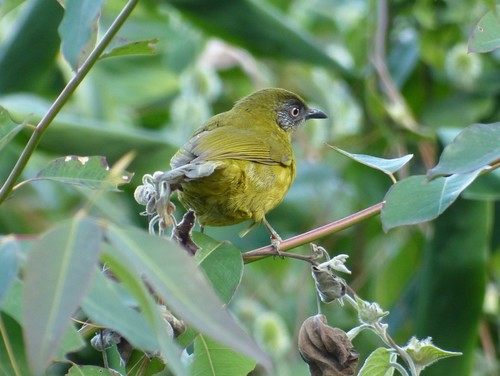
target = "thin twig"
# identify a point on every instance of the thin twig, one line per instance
(61, 100)
(312, 235)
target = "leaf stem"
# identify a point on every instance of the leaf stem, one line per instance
(312, 235)
(61, 100)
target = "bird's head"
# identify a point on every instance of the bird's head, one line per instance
(287, 109)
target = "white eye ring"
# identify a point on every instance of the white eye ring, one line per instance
(295, 112)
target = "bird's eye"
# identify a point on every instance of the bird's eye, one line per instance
(295, 111)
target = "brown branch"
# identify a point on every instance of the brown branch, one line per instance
(312, 235)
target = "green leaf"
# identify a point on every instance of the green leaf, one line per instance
(387, 166)
(416, 199)
(378, 364)
(108, 306)
(211, 358)
(486, 187)
(77, 370)
(222, 264)
(485, 36)
(28, 51)
(244, 22)
(78, 30)
(475, 147)
(12, 362)
(12, 305)
(8, 263)
(8, 128)
(58, 272)
(91, 172)
(455, 264)
(178, 280)
(424, 353)
(132, 278)
(7, 5)
(142, 47)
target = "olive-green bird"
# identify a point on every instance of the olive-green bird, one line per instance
(240, 164)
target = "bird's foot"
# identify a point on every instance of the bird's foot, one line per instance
(276, 242)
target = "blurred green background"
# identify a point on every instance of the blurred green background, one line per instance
(394, 77)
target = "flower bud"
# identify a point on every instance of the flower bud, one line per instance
(329, 286)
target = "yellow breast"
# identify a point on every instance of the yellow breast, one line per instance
(238, 191)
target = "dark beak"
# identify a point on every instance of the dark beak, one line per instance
(313, 113)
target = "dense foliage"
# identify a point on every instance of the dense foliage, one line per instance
(395, 78)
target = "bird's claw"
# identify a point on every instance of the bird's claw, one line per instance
(276, 242)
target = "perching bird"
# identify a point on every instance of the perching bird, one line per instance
(240, 164)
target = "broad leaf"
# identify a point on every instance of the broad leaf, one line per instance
(78, 30)
(416, 199)
(378, 363)
(213, 359)
(91, 172)
(58, 272)
(387, 166)
(222, 264)
(485, 36)
(177, 279)
(475, 147)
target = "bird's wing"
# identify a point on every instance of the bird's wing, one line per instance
(233, 143)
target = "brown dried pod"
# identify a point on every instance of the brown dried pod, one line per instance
(329, 286)
(328, 351)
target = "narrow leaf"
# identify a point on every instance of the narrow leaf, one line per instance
(387, 166)
(131, 277)
(378, 364)
(78, 30)
(211, 358)
(142, 47)
(12, 305)
(7, 5)
(58, 271)
(107, 306)
(178, 280)
(475, 147)
(91, 172)
(77, 370)
(8, 264)
(12, 350)
(416, 199)
(222, 264)
(485, 36)
(244, 22)
(8, 128)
